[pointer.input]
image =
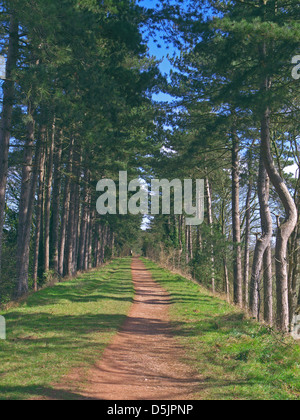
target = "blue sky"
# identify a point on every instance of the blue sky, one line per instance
(159, 53)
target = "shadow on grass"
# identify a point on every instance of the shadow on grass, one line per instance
(39, 393)
(60, 327)
(85, 290)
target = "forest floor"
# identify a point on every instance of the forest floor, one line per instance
(93, 338)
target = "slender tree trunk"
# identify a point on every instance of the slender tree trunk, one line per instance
(48, 200)
(65, 213)
(71, 231)
(103, 243)
(226, 279)
(210, 223)
(56, 206)
(84, 220)
(180, 230)
(39, 219)
(77, 217)
(24, 205)
(236, 223)
(285, 230)
(91, 230)
(6, 118)
(247, 244)
(70, 234)
(191, 243)
(77, 229)
(87, 245)
(25, 228)
(99, 259)
(268, 286)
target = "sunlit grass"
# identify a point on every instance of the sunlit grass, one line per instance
(65, 326)
(237, 357)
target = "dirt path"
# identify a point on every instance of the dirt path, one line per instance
(143, 361)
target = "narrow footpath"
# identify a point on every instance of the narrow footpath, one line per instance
(144, 361)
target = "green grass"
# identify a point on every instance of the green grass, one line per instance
(62, 327)
(238, 358)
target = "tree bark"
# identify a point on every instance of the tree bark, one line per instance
(236, 222)
(226, 279)
(294, 258)
(285, 230)
(38, 219)
(210, 223)
(247, 243)
(84, 220)
(26, 217)
(48, 200)
(56, 206)
(263, 242)
(91, 230)
(65, 213)
(71, 230)
(25, 204)
(268, 286)
(6, 118)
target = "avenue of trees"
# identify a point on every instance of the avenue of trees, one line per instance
(77, 107)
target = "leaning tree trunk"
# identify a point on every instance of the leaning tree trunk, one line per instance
(294, 258)
(236, 223)
(6, 118)
(263, 242)
(285, 230)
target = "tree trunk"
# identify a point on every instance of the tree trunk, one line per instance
(84, 220)
(65, 213)
(268, 286)
(263, 242)
(71, 231)
(236, 223)
(294, 258)
(6, 118)
(26, 219)
(91, 230)
(285, 230)
(25, 204)
(77, 216)
(48, 200)
(56, 206)
(210, 223)
(226, 279)
(39, 219)
(247, 244)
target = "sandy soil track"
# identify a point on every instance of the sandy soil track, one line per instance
(144, 360)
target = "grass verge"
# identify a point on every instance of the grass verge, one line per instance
(62, 327)
(238, 358)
